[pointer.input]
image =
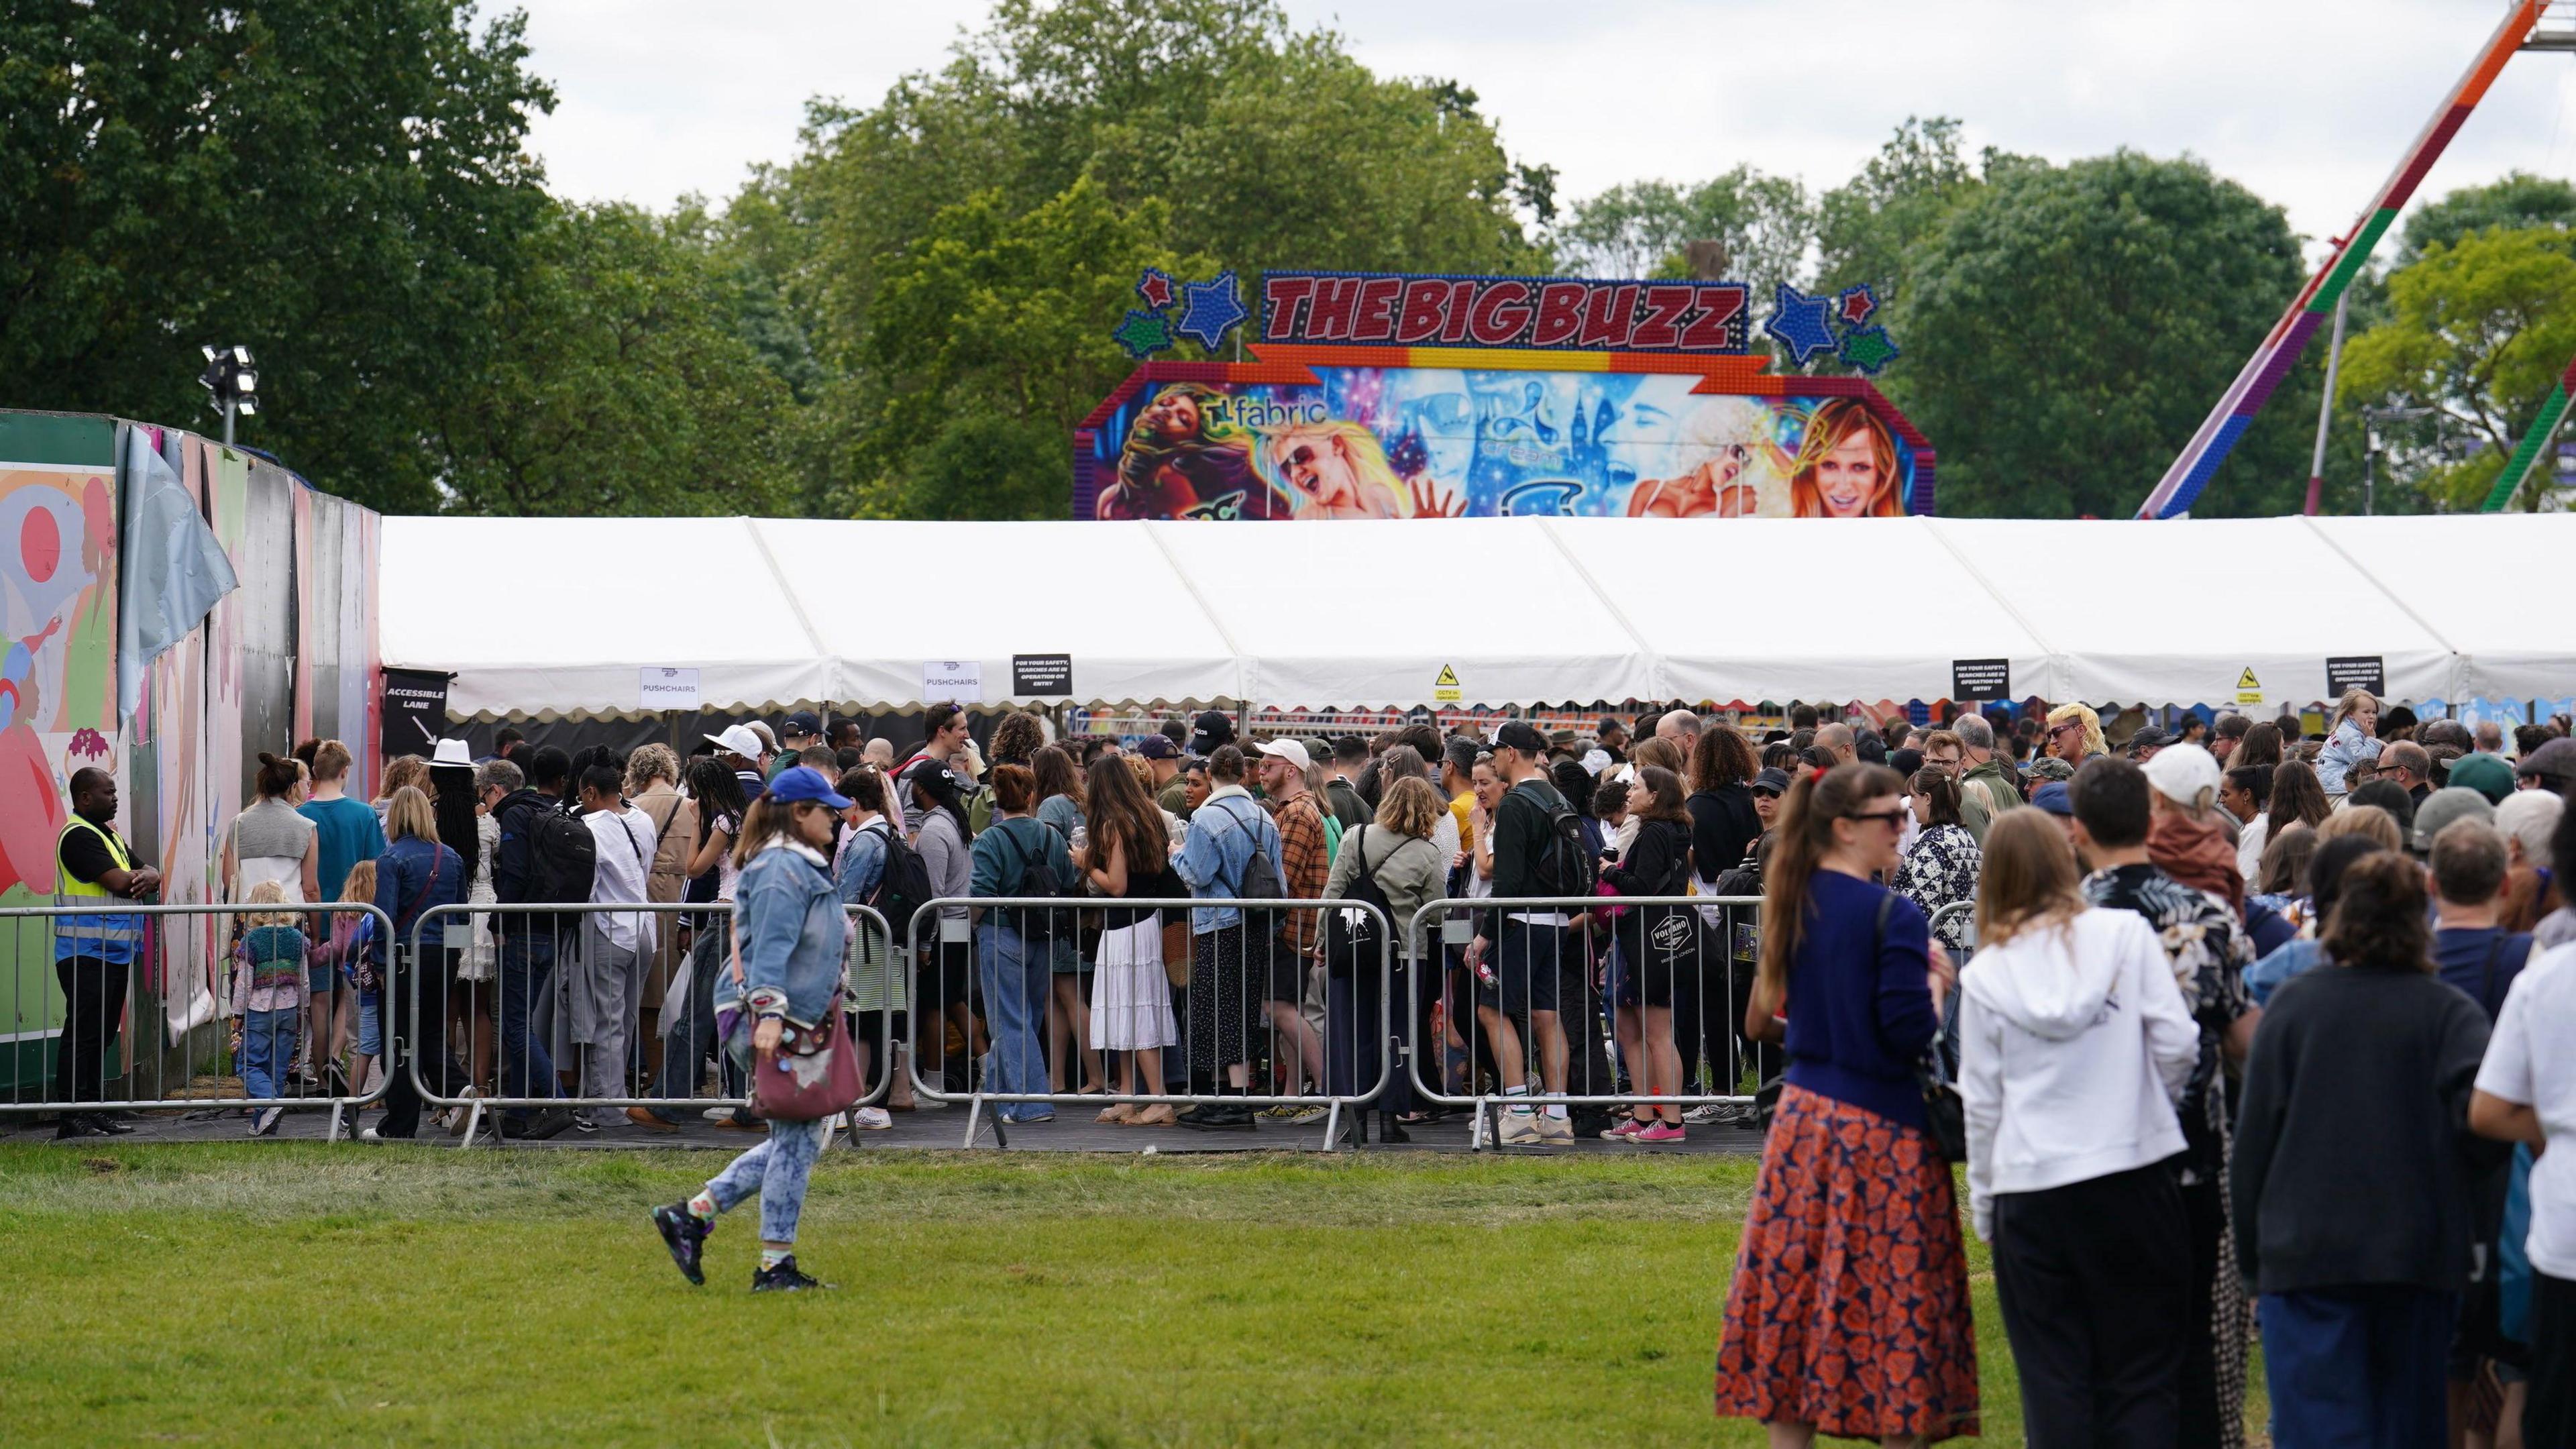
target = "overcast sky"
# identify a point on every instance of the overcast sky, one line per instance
(2307, 105)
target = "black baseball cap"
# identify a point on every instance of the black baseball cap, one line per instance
(1775, 780)
(1212, 728)
(1157, 747)
(803, 724)
(1522, 736)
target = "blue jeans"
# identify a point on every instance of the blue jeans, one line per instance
(268, 1044)
(1016, 981)
(777, 1170)
(2357, 1367)
(371, 1024)
(527, 960)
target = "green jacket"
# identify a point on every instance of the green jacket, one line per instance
(1986, 791)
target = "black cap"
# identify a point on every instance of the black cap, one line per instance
(1157, 747)
(1775, 780)
(803, 724)
(1212, 728)
(2149, 738)
(1522, 736)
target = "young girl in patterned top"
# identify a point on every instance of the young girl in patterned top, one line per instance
(268, 999)
(351, 932)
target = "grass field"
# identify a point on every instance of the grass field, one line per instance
(286, 1294)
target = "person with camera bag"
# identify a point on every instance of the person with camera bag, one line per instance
(1015, 945)
(1848, 1313)
(782, 982)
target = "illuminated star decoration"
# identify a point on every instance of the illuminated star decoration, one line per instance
(1155, 287)
(1143, 334)
(1802, 323)
(1868, 348)
(1856, 303)
(1211, 310)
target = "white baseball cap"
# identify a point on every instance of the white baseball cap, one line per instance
(1289, 750)
(2185, 774)
(741, 740)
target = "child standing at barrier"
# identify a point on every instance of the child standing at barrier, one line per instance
(268, 999)
(351, 931)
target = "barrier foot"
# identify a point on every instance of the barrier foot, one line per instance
(1333, 1128)
(473, 1125)
(1476, 1130)
(831, 1125)
(332, 1134)
(975, 1118)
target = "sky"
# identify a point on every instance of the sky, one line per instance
(2309, 106)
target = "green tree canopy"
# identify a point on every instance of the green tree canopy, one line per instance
(2478, 331)
(1641, 227)
(2068, 327)
(342, 189)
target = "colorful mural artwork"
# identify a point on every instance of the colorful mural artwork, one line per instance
(1320, 433)
(291, 654)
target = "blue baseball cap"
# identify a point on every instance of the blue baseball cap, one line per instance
(2051, 797)
(802, 783)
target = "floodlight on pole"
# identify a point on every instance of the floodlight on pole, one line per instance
(232, 382)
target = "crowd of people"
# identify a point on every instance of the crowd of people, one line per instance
(2179, 1004)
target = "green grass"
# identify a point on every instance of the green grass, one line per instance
(301, 1294)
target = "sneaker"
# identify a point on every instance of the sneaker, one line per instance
(1661, 1131)
(545, 1125)
(111, 1124)
(1628, 1127)
(1217, 1117)
(785, 1278)
(872, 1119)
(457, 1117)
(584, 1127)
(685, 1234)
(717, 1114)
(265, 1124)
(370, 1134)
(1300, 1116)
(1519, 1129)
(1707, 1112)
(1555, 1131)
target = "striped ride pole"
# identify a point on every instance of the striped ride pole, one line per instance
(2263, 371)
(2535, 441)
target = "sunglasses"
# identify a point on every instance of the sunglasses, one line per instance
(1895, 819)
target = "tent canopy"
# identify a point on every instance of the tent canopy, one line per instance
(774, 613)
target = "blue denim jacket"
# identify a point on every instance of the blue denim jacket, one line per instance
(1223, 834)
(2343, 749)
(793, 933)
(406, 887)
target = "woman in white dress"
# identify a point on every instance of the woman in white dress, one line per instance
(1127, 854)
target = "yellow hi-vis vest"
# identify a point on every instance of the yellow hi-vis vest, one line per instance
(108, 936)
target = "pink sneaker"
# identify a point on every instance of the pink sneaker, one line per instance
(1627, 1128)
(1660, 1130)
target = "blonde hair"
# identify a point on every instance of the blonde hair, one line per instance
(360, 887)
(408, 813)
(330, 760)
(1412, 807)
(2353, 699)
(648, 764)
(2028, 879)
(2082, 714)
(405, 771)
(269, 893)
(2367, 821)
(1379, 486)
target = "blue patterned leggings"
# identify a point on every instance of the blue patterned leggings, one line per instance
(776, 1170)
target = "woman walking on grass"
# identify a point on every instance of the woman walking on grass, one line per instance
(793, 934)
(1848, 1312)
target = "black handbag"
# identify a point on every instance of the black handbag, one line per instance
(1945, 1116)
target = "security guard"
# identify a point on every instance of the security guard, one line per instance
(93, 954)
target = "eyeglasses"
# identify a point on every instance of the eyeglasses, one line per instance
(1894, 819)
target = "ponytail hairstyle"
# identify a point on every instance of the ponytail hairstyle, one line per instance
(1942, 794)
(277, 775)
(1802, 837)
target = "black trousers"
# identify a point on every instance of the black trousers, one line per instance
(421, 1029)
(93, 1004)
(2549, 1417)
(2092, 1281)
(2205, 1217)
(1588, 1072)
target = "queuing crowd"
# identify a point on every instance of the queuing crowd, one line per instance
(2234, 1030)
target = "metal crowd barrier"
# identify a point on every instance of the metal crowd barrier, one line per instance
(180, 991)
(1034, 1019)
(552, 1020)
(1696, 953)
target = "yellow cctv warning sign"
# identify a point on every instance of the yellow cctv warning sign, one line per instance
(1444, 689)
(2249, 690)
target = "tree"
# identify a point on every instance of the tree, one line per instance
(2068, 327)
(615, 383)
(2478, 331)
(1641, 227)
(1866, 226)
(2516, 200)
(343, 189)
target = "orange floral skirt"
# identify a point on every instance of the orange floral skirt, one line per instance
(1849, 1305)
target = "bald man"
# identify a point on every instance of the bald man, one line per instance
(1836, 739)
(1681, 727)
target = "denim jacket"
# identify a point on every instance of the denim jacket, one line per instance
(1223, 834)
(2346, 747)
(413, 876)
(789, 918)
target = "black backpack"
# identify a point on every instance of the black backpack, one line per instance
(1567, 867)
(563, 857)
(1261, 879)
(1038, 925)
(1355, 941)
(903, 886)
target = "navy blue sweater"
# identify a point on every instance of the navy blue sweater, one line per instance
(1859, 1019)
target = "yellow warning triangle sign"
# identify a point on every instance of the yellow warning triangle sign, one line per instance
(1448, 678)
(2247, 679)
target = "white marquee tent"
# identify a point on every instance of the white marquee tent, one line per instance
(563, 617)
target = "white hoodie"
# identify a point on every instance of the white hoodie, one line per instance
(2074, 1045)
